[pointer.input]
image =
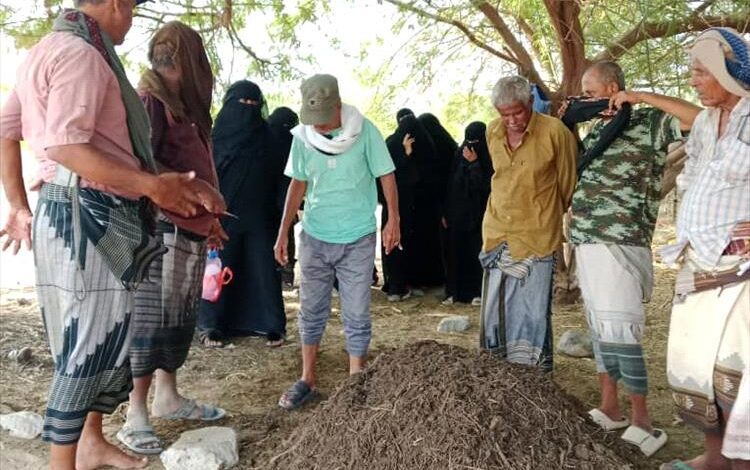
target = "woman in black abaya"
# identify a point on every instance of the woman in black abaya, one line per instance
(249, 165)
(282, 120)
(408, 145)
(465, 203)
(445, 149)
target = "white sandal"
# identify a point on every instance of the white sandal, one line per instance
(607, 423)
(649, 443)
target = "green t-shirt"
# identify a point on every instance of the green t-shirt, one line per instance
(617, 197)
(341, 195)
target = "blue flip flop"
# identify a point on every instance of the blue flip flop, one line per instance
(296, 395)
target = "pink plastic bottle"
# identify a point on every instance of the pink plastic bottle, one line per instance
(214, 277)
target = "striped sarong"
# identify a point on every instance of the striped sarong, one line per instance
(166, 305)
(86, 314)
(516, 311)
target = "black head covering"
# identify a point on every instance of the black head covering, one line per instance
(469, 183)
(444, 143)
(283, 117)
(240, 136)
(445, 148)
(281, 121)
(423, 148)
(475, 136)
(238, 124)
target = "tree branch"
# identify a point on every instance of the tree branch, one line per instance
(655, 30)
(523, 59)
(458, 25)
(564, 17)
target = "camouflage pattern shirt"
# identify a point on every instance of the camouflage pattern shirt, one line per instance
(617, 197)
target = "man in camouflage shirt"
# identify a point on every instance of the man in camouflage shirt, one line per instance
(614, 207)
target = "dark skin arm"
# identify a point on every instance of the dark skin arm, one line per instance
(181, 193)
(17, 227)
(294, 196)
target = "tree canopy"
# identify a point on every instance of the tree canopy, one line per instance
(549, 41)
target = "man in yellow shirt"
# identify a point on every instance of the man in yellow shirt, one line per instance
(534, 162)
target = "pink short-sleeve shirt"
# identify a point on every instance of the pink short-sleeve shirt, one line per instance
(66, 93)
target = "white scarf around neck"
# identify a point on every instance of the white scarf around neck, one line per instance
(351, 128)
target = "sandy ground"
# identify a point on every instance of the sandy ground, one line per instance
(247, 377)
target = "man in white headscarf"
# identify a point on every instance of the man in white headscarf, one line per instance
(709, 337)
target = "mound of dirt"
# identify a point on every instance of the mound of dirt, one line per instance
(435, 406)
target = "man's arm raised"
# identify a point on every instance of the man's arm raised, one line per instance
(679, 108)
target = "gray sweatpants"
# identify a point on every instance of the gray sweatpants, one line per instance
(351, 264)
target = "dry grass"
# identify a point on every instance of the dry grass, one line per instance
(248, 378)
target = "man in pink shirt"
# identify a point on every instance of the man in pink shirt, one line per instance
(93, 228)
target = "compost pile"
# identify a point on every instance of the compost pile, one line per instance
(436, 406)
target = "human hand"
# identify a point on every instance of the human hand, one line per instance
(185, 195)
(444, 222)
(622, 97)
(408, 144)
(216, 236)
(280, 248)
(391, 235)
(563, 108)
(17, 229)
(469, 154)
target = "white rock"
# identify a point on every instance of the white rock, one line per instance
(212, 448)
(453, 324)
(24, 424)
(576, 343)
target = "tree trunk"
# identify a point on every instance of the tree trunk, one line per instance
(564, 18)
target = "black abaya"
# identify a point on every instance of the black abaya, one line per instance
(468, 190)
(249, 165)
(395, 264)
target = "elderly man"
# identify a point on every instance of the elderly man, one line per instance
(533, 156)
(615, 206)
(709, 333)
(335, 158)
(92, 231)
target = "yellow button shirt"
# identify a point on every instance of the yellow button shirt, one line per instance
(531, 187)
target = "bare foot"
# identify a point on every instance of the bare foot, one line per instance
(613, 413)
(703, 463)
(97, 453)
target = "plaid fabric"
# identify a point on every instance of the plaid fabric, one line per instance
(166, 306)
(716, 181)
(115, 227)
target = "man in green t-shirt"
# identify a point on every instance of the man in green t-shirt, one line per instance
(336, 156)
(614, 207)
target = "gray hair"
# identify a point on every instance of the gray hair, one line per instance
(78, 3)
(509, 90)
(609, 72)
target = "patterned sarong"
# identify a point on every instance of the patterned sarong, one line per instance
(166, 306)
(86, 314)
(516, 311)
(709, 347)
